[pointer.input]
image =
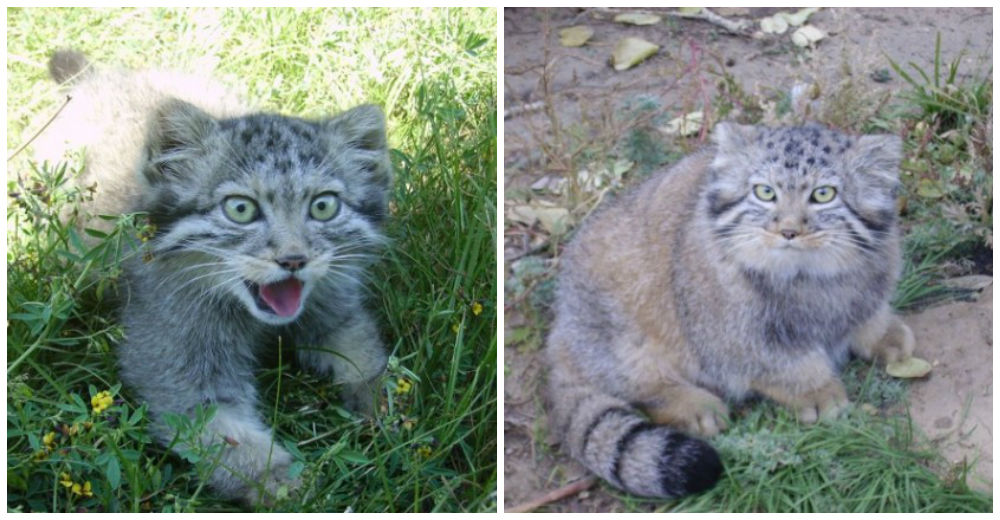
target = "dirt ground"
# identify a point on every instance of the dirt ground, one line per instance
(953, 406)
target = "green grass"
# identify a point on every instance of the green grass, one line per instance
(433, 447)
(863, 462)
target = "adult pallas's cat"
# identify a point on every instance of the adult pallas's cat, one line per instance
(751, 268)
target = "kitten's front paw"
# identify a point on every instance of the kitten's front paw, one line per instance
(274, 483)
(826, 402)
(360, 397)
(693, 410)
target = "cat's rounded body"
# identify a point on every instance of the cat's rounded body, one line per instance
(263, 228)
(751, 268)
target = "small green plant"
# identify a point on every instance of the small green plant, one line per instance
(944, 102)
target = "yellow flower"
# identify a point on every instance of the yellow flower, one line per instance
(403, 386)
(101, 401)
(82, 490)
(424, 451)
(65, 480)
(454, 327)
(49, 440)
(477, 308)
(40, 455)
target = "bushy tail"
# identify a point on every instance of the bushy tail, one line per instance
(613, 440)
(67, 64)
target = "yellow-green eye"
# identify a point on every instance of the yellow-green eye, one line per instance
(324, 207)
(823, 194)
(764, 192)
(241, 210)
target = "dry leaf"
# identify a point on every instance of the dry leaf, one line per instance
(684, 126)
(554, 220)
(575, 36)
(689, 10)
(799, 17)
(909, 368)
(773, 25)
(807, 35)
(522, 214)
(630, 51)
(638, 18)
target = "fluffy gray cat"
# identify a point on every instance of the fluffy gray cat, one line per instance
(751, 268)
(264, 226)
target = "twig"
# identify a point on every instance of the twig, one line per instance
(734, 26)
(523, 109)
(552, 496)
(42, 129)
(738, 27)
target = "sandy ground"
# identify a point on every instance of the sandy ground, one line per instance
(953, 406)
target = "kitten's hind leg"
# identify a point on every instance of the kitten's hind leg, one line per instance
(353, 354)
(884, 337)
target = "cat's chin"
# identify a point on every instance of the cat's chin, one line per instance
(793, 261)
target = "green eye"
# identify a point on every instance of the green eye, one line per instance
(241, 210)
(764, 192)
(823, 194)
(324, 207)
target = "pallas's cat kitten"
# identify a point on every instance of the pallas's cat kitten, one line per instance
(264, 226)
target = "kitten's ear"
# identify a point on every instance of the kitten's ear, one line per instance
(362, 127)
(877, 155)
(358, 136)
(177, 132)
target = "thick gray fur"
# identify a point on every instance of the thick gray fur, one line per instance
(698, 289)
(176, 147)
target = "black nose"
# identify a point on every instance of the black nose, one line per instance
(292, 262)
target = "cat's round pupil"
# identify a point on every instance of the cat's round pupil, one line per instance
(824, 194)
(324, 207)
(240, 210)
(764, 192)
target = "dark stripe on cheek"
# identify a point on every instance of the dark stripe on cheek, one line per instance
(884, 220)
(717, 207)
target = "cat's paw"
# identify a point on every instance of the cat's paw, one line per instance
(274, 483)
(825, 402)
(897, 343)
(884, 337)
(693, 410)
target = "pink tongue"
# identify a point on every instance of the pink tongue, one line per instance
(284, 297)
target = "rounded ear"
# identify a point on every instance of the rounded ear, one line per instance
(362, 127)
(358, 137)
(733, 146)
(177, 132)
(878, 155)
(732, 137)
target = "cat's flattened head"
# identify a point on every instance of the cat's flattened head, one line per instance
(801, 199)
(266, 208)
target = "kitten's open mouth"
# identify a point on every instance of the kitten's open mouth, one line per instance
(283, 298)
